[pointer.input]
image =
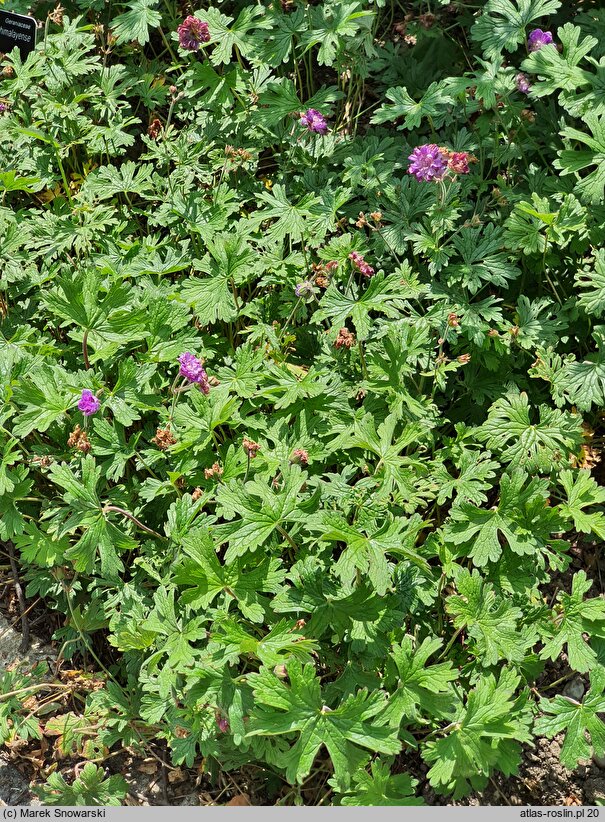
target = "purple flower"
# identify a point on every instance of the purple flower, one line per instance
(88, 403)
(3, 108)
(193, 370)
(314, 121)
(192, 33)
(538, 38)
(522, 83)
(222, 723)
(428, 163)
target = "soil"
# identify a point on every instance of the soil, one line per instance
(542, 779)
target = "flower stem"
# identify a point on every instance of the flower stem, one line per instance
(364, 367)
(85, 349)
(129, 516)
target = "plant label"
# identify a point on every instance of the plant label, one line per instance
(17, 30)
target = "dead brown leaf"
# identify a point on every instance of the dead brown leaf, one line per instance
(238, 801)
(177, 775)
(148, 766)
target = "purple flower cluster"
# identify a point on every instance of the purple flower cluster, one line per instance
(314, 121)
(537, 39)
(431, 163)
(360, 264)
(88, 404)
(428, 163)
(3, 108)
(193, 370)
(192, 33)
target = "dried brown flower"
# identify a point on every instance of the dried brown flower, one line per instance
(587, 458)
(155, 128)
(345, 339)
(79, 439)
(237, 154)
(163, 438)
(56, 15)
(427, 20)
(214, 472)
(250, 447)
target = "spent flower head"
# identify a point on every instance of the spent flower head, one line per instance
(192, 33)
(457, 161)
(299, 457)
(250, 447)
(88, 403)
(79, 439)
(163, 438)
(154, 129)
(214, 472)
(345, 339)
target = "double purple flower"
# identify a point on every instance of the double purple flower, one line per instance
(431, 163)
(89, 403)
(193, 370)
(428, 163)
(192, 33)
(314, 121)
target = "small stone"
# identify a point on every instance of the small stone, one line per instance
(574, 689)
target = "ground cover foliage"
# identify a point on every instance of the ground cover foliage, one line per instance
(302, 368)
